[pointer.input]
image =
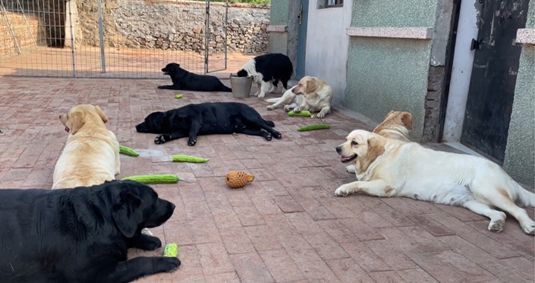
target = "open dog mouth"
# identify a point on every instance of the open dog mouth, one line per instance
(346, 159)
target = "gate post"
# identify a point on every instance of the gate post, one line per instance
(206, 36)
(100, 3)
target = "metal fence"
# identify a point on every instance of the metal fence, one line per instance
(82, 38)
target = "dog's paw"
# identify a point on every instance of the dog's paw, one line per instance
(268, 136)
(146, 231)
(151, 243)
(287, 108)
(529, 227)
(192, 142)
(319, 115)
(270, 107)
(277, 135)
(161, 139)
(496, 225)
(351, 169)
(167, 264)
(342, 191)
(261, 95)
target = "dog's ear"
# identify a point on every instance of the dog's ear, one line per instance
(406, 119)
(311, 86)
(101, 114)
(375, 149)
(126, 213)
(242, 73)
(75, 121)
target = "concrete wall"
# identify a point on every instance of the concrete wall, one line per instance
(285, 13)
(327, 45)
(278, 41)
(519, 153)
(15, 30)
(388, 73)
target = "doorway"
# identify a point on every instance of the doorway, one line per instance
(489, 97)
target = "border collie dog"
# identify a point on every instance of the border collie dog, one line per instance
(267, 70)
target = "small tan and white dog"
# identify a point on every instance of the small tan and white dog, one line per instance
(393, 168)
(91, 154)
(311, 94)
(396, 125)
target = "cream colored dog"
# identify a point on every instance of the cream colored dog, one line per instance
(388, 168)
(396, 125)
(311, 94)
(91, 154)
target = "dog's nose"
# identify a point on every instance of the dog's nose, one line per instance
(339, 149)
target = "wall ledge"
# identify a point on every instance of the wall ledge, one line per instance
(525, 36)
(277, 28)
(392, 32)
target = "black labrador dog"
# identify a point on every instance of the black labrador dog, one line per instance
(81, 234)
(184, 80)
(193, 120)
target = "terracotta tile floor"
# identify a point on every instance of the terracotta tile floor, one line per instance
(287, 225)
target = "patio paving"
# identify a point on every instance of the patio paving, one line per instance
(286, 226)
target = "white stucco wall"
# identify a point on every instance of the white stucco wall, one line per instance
(327, 45)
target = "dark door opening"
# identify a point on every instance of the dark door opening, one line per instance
(490, 96)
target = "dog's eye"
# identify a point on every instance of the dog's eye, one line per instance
(354, 143)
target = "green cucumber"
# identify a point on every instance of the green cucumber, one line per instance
(313, 127)
(154, 179)
(303, 113)
(188, 158)
(171, 250)
(128, 151)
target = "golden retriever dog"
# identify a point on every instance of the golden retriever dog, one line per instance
(396, 125)
(393, 168)
(91, 154)
(311, 94)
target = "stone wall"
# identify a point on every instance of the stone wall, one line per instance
(175, 25)
(17, 31)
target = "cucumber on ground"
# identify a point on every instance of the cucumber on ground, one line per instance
(187, 158)
(154, 179)
(178, 96)
(170, 250)
(128, 151)
(303, 113)
(313, 127)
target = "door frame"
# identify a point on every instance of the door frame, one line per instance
(301, 39)
(461, 72)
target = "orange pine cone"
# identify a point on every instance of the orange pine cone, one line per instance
(238, 179)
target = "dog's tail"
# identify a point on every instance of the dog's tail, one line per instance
(524, 197)
(225, 88)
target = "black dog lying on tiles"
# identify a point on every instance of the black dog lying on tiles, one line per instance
(81, 234)
(184, 80)
(207, 118)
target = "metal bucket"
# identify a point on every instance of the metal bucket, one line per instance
(241, 86)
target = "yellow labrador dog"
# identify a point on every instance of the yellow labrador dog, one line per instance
(311, 94)
(396, 125)
(388, 168)
(91, 154)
